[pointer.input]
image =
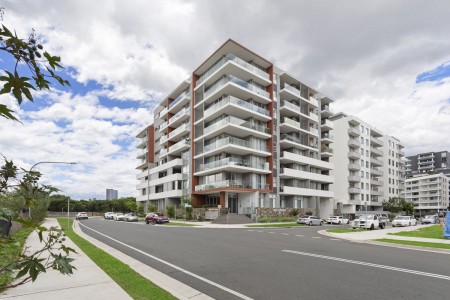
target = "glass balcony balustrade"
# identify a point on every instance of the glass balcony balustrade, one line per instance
(231, 184)
(231, 162)
(230, 78)
(236, 101)
(236, 121)
(232, 141)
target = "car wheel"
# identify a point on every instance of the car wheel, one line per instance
(310, 223)
(154, 222)
(146, 222)
(348, 222)
(321, 223)
(372, 227)
(382, 226)
(339, 223)
(393, 225)
(353, 228)
(409, 223)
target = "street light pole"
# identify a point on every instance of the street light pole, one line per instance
(53, 162)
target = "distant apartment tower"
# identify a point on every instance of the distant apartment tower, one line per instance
(239, 133)
(428, 163)
(111, 194)
(367, 166)
(428, 193)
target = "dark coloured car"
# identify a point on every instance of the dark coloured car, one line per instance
(156, 218)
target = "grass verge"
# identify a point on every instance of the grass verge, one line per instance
(129, 280)
(277, 225)
(10, 247)
(277, 220)
(431, 232)
(414, 243)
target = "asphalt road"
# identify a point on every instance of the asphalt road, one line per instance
(287, 263)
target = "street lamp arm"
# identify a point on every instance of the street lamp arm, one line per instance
(53, 162)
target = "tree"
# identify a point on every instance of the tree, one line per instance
(396, 205)
(19, 189)
(41, 65)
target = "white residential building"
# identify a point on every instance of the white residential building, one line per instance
(239, 133)
(393, 168)
(360, 155)
(428, 193)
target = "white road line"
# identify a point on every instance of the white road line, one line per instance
(250, 230)
(370, 264)
(300, 235)
(237, 294)
(285, 234)
(271, 232)
(316, 237)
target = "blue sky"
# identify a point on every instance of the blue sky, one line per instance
(386, 62)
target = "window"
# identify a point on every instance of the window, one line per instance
(367, 175)
(367, 142)
(367, 153)
(367, 164)
(367, 131)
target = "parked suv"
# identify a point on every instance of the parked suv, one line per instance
(156, 218)
(337, 220)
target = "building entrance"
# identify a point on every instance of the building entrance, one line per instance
(233, 203)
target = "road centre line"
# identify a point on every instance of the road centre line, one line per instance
(237, 294)
(444, 277)
(284, 233)
(316, 237)
(300, 235)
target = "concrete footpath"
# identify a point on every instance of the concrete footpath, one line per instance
(87, 282)
(369, 236)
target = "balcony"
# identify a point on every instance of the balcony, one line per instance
(354, 143)
(376, 151)
(232, 165)
(228, 83)
(230, 185)
(294, 141)
(327, 138)
(314, 161)
(354, 167)
(376, 193)
(182, 99)
(237, 107)
(325, 111)
(307, 192)
(180, 117)
(179, 147)
(376, 182)
(230, 58)
(314, 101)
(326, 151)
(292, 90)
(233, 146)
(354, 190)
(354, 178)
(353, 131)
(287, 124)
(143, 143)
(162, 113)
(163, 139)
(376, 142)
(163, 152)
(163, 126)
(237, 127)
(354, 155)
(326, 124)
(376, 172)
(292, 173)
(376, 162)
(179, 132)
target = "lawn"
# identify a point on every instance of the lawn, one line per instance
(277, 219)
(414, 243)
(129, 280)
(277, 225)
(12, 246)
(431, 232)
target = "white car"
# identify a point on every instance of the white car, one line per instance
(131, 218)
(366, 221)
(404, 221)
(81, 215)
(109, 215)
(119, 217)
(337, 220)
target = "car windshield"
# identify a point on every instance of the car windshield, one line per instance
(402, 218)
(429, 217)
(305, 217)
(363, 217)
(159, 214)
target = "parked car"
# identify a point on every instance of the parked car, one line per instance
(431, 219)
(310, 220)
(156, 218)
(131, 218)
(404, 221)
(369, 221)
(384, 218)
(119, 217)
(81, 215)
(109, 215)
(338, 220)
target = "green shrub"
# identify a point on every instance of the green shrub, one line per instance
(309, 213)
(188, 213)
(277, 220)
(152, 208)
(170, 211)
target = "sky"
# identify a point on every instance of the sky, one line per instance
(385, 62)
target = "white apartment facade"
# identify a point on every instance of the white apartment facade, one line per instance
(240, 133)
(361, 173)
(394, 167)
(428, 193)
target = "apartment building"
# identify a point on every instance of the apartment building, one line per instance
(367, 165)
(428, 193)
(427, 163)
(240, 133)
(112, 194)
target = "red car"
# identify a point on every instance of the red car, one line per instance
(156, 218)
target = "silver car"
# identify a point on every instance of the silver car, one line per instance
(310, 220)
(131, 218)
(432, 219)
